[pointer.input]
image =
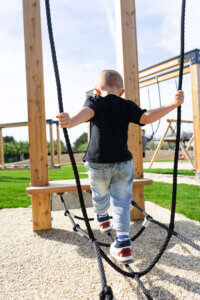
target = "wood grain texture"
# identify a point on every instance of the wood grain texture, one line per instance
(195, 81)
(36, 112)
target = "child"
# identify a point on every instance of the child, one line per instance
(145, 140)
(108, 161)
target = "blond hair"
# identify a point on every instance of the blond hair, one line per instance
(109, 79)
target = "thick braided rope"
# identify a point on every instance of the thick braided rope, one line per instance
(61, 109)
(171, 226)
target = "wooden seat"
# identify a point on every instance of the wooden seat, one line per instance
(62, 186)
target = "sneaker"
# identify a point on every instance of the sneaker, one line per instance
(104, 223)
(121, 251)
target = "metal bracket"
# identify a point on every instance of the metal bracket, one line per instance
(145, 223)
(193, 56)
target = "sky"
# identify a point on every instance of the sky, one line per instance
(85, 39)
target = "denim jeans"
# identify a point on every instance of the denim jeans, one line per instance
(112, 185)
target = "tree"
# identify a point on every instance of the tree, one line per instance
(8, 139)
(80, 141)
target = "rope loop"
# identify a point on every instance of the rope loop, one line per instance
(75, 227)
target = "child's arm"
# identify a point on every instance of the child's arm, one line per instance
(84, 115)
(153, 115)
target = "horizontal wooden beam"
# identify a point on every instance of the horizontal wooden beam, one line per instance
(163, 77)
(21, 124)
(182, 121)
(62, 186)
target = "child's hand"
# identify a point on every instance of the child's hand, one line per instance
(64, 120)
(178, 98)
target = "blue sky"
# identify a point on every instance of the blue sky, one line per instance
(85, 42)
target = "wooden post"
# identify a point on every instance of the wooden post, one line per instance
(58, 145)
(36, 113)
(51, 144)
(128, 66)
(1, 148)
(195, 81)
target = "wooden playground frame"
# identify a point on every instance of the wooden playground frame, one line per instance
(168, 69)
(163, 139)
(127, 43)
(49, 122)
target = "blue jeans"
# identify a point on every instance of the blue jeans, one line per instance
(112, 185)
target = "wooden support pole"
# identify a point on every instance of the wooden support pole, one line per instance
(159, 145)
(128, 66)
(1, 148)
(51, 144)
(195, 81)
(58, 145)
(36, 113)
(189, 143)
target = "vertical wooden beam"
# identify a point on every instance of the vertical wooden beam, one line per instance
(1, 148)
(128, 66)
(36, 113)
(51, 144)
(58, 144)
(195, 82)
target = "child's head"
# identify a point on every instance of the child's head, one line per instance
(109, 82)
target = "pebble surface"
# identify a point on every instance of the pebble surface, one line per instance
(61, 264)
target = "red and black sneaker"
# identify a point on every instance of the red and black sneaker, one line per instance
(104, 223)
(121, 251)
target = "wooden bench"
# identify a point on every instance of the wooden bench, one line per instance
(62, 186)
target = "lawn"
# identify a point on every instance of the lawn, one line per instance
(170, 171)
(14, 183)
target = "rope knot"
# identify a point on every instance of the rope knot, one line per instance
(106, 294)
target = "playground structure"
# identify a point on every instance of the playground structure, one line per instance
(36, 109)
(37, 135)
(49, 122)
(132, 81)
(163, 139)
(168, 69)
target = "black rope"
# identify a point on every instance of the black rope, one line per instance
(61, 109)
(90, 234)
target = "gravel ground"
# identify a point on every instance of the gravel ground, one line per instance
(60, 264)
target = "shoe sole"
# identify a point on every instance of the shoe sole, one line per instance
(121, 262)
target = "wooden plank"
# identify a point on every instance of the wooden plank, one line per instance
(51, 145)
(62, 186)
(17, 124)
(195, 82)
(128, 66)
(159, 68)
(159, 146)
(58, 145)
(36, 112)
(1, 148)
(189, 143)
(166, 76)
(182, 121)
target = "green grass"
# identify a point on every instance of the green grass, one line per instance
(170, 171)
(14, 183)
(188, 198)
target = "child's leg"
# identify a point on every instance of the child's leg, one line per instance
(121, 192)
(99, 177)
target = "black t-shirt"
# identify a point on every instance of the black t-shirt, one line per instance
(109, 128)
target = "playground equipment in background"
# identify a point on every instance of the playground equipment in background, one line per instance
(50, 122)
(169, 139)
